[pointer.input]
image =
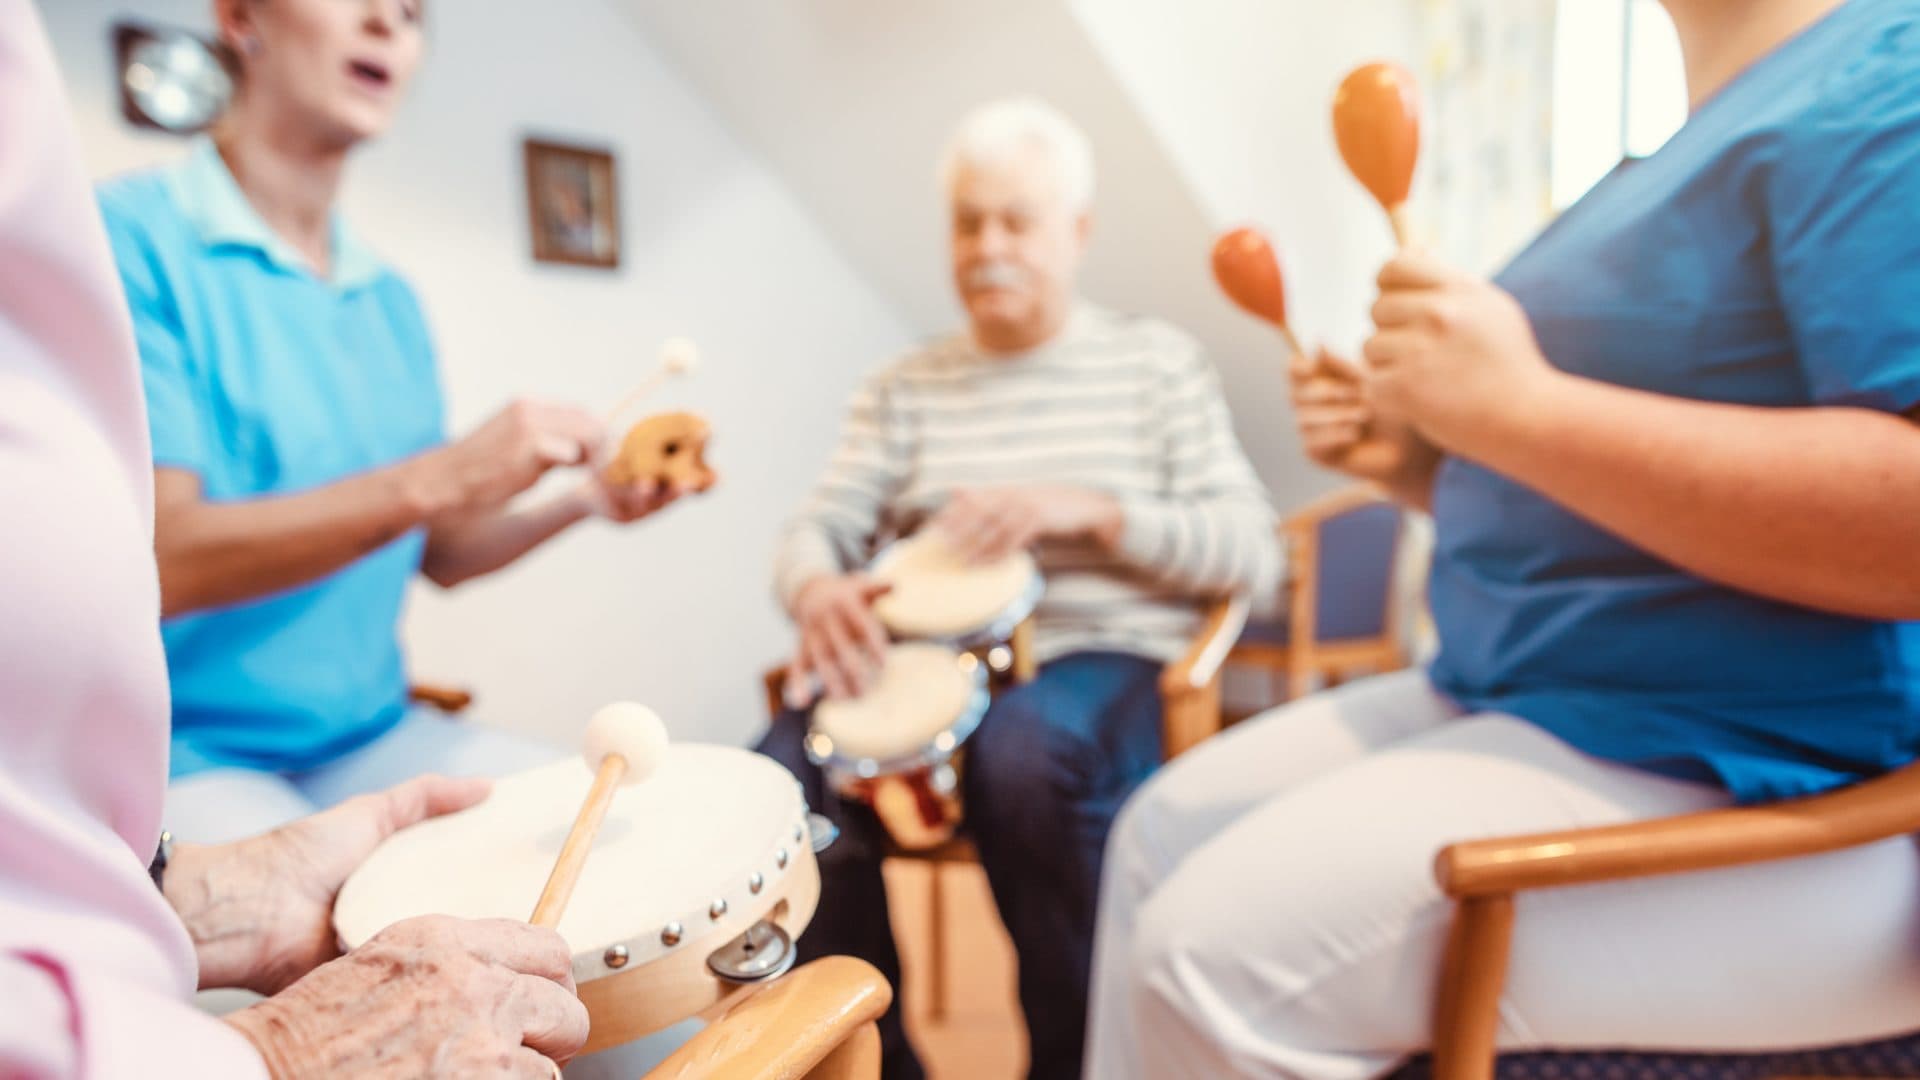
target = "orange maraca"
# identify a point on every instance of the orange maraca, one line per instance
(1376, 121)
(1249, 273)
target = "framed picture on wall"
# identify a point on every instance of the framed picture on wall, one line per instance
(573, 204)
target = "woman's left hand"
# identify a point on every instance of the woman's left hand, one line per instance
(260, 910)
(625, 503)
(1452, 352)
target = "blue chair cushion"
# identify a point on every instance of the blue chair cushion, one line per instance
(1356, 558)
(1896, 1057)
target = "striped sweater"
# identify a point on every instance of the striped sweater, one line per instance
(1129, 406)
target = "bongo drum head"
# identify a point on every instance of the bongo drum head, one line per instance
(923, 690)
(937, 594)
(709, 820)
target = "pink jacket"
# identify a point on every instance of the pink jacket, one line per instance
(95, 972)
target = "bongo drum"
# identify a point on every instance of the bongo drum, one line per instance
(701, 879)
(938, 596)
(895, 747)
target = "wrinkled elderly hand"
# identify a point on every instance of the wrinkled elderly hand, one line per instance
(842, 643)
(430, 997)
(260, 910)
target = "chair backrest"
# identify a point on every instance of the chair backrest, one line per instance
(1345, 549)
(1358, 550)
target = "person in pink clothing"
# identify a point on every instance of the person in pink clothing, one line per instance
(97, 965)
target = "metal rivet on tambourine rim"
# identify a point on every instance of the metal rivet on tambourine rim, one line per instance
(1000, 658)
(799, 833)
(717, 910)
(616, 957)
(671, 935)
(780, 858)
(755, 883)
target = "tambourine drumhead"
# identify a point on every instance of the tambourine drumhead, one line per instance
(711, 824)
(937, 594)
(923, 690)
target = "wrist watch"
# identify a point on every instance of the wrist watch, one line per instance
(157, 869)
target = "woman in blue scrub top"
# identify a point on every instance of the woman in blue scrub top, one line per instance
(301, 472)
(1674, 470)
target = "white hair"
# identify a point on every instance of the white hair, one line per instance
(996, 132)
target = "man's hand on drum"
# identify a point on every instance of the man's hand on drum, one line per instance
(260, 910)
(842, 643)
(429, 997)
(989, 523)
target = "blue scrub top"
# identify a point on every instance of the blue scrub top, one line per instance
(265, 380)
(1768, 255)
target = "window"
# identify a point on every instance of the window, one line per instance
(1619, 89)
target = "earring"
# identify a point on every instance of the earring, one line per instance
(250, 45)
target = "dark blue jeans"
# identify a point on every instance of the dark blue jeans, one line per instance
(1045, 774)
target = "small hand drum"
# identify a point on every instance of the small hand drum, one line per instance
(700, 880)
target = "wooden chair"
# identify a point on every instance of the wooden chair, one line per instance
(815, 1023)
(1190, 712)
(1483, 876)
(1339, 619)
(451, 700)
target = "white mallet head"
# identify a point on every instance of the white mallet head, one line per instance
(631, 730)
(679, 356)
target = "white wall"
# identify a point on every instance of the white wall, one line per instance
(1241, 92)
(675, 612)
(851, 101)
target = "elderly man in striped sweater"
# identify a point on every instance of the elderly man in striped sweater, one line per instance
(1102, 443)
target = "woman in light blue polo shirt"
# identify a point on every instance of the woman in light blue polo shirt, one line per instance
(1675, 477)
(302, 476)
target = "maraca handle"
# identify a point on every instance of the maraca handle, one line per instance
(1293, 343)
(1402, 228)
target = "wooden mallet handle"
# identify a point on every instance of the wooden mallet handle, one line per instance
(573, 853)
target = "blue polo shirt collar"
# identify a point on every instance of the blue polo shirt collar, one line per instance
(212, 201)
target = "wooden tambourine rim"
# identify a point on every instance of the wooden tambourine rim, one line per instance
(641, 1000)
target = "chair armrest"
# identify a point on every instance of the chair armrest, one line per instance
(448, 699)
(1877, 809)
(1208, 650)
(783, 1030)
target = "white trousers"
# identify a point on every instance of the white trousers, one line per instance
(1269, 908)
(219, 805)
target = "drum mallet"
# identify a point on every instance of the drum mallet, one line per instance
(624, 744)
(678, 356)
